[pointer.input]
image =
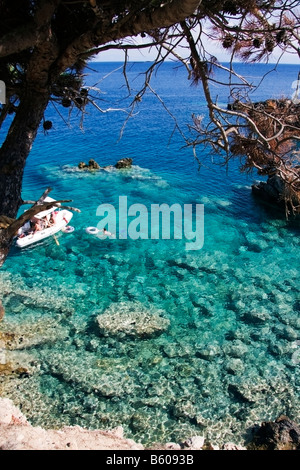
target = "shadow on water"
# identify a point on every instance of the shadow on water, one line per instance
(277, 213)
(247, 206)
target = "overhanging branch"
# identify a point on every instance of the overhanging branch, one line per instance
(30, 34)
(12, 226)
(162, 17)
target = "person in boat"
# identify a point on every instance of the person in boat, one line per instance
(32, 226)
(53, 216)
(25, 230)
(51, 219)
(39, 224)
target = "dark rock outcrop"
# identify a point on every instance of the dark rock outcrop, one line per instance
(124, 163)
(277, 192)
(270, 190)
(92, 165)
(281, 434)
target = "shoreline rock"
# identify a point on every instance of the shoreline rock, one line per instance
(273, 191)
(270, 190)
(16, 433)
(281, 434)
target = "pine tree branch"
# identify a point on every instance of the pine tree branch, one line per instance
(162, 17)
(32, 33)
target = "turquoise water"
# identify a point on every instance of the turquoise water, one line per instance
(230, 356)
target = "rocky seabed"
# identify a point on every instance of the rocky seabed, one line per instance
(212, 372)
(16, 433)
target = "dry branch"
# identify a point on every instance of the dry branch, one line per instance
(12, 226)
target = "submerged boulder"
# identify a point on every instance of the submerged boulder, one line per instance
(2, 312)
(14, 364)
(132, 319)
(281, 434)
(28, 333)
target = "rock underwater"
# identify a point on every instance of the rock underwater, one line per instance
(132, 319)
(2, 312)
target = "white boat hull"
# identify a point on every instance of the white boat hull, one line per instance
(62, 219)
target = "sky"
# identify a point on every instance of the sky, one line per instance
(212, 46)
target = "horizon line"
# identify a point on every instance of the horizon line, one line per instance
(174, 61)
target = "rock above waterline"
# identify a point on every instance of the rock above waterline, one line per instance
(124, 163)
(275, 190)
(132, 319)
(194, 442)
(282, 434)
(16, 433)
(92, 165)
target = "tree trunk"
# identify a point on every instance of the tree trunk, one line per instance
(16, 148)
(5, 244)
(13, 155)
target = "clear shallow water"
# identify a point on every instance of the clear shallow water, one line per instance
(230, 357)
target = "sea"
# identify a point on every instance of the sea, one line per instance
(229, 356)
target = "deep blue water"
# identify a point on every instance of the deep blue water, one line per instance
(230, 357)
